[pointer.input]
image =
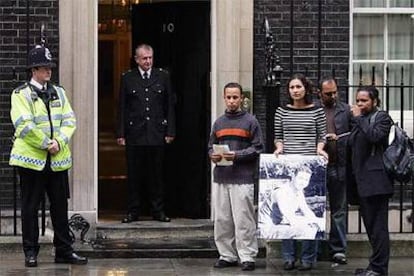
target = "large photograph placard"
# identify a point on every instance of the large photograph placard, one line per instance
(292, 197)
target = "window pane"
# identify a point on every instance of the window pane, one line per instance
(402, 3)
(401, 36)
(401, 75)
(363, 74)
(369, 3)
(368, 37)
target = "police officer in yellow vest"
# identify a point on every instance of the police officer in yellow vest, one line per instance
(44, 123)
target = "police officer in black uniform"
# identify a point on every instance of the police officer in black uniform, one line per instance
(34, 183)
(146, 123)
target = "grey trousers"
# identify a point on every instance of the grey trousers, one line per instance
(234, 222)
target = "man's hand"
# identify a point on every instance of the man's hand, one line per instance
(120, 141)
(53, 147)
(169, 139)
(215, 157)
(229, 156)
(331, 137)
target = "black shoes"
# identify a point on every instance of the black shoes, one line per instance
(366, 272)
(130, 218)
(248, 266)
(339, 258)
(305, 266)
(71, 259)
(162, 217)
(289, 265)
(30, 261)
(222, 264)
(245, 266)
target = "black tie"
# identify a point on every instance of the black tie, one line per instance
(145, 75)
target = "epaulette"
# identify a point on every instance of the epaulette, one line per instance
(58, 85)
(21, 87)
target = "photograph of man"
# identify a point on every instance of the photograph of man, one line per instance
(289, 208)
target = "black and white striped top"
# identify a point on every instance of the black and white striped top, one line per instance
(300, 130)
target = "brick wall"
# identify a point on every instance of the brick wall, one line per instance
(13, 53)
(334, 42)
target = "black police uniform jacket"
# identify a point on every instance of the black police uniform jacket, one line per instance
(146, 111)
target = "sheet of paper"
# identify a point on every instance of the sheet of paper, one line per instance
(220, 149)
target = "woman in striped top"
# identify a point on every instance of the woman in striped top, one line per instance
(300, 128)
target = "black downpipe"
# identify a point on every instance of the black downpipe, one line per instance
(27, 35)
(402, 126)
(319, 39)
(291, 37)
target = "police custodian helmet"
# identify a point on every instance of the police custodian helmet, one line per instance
(40, 56)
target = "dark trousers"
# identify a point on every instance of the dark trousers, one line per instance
(374, 212)
(33, 187)
(338, 208)
(145, 170)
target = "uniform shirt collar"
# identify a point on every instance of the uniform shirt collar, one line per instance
(142, 72)
(37, 84)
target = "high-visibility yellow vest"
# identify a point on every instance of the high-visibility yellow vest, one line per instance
(34, 129)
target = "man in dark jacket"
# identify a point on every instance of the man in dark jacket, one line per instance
(146, 123)
(338, 118)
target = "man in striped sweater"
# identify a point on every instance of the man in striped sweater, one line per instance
(234, 217)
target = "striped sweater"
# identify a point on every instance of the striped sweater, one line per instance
(300, 130)
(241, 132)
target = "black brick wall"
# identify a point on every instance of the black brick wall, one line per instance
(13, 53)
(334, 43)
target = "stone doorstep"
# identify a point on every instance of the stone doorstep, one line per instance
(180, 229)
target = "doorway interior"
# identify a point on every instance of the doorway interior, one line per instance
(179, 32)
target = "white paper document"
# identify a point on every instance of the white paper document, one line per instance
(220, 149)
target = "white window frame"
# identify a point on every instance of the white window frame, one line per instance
(385, 11)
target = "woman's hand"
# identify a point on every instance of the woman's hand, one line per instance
(278, 151)
(323, 153)
(355, 110)
(279, 148)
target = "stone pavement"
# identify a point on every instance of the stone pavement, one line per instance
(11, 263)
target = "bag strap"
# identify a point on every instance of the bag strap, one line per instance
(371, 122)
